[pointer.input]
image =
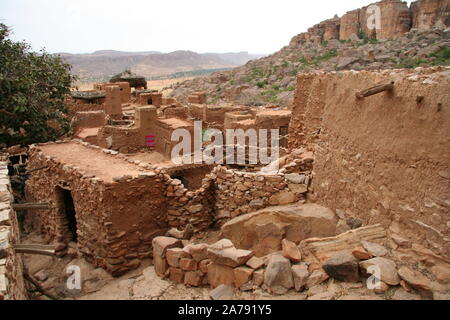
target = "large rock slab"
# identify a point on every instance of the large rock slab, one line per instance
(300, 274)
(342, 266)
(219, 274)
(263, 231)
(316, 251)
(415, 279)
(228, 256)
(387, 269)
(278, 275)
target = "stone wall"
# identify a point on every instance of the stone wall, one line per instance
(122, 139)
(115, 221)
(195, 206)
(383, 158)
(239, 193)
(12, 285)
(77, 106)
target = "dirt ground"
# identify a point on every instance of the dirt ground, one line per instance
(144, 284)
(97, 284)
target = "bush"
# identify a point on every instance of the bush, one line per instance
(442, 56)
(32, 91)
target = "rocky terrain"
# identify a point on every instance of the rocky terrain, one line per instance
(333, 45)
(101, 65)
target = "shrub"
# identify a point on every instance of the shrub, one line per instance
(33, 87)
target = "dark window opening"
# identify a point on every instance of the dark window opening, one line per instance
(150, 101)
(66, 209)
(17, 164)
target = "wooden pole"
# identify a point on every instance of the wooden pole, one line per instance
(39, 288)
(44, 250)
(35, 169)
(30, 206)
(375, 90)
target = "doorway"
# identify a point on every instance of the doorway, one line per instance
(66, 210)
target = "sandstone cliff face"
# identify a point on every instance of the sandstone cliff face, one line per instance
(396, 19)
(427, 14)
(350, 24)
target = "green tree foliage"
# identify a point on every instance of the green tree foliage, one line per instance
(32, 90)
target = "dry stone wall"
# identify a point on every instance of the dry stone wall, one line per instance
(12, 285)
(239, 193)
(116, 221)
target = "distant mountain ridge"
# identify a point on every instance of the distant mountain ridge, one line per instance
(101, 65)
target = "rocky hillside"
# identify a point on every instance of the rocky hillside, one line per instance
(101, 65)
(332, 45)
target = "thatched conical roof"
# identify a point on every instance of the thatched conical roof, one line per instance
(133, 79)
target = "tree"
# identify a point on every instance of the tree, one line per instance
(32, 91)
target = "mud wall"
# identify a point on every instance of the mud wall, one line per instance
(12, 285)
(383, 158)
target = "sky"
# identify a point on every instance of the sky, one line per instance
(83, 26)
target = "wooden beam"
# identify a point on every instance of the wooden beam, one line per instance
(39, 288)
(39, 249)
(30, 206)
(374, 90)
(35, 169)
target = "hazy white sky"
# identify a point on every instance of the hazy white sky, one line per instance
(79, 26)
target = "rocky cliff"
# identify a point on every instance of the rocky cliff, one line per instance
(337, 44)
(396, 18)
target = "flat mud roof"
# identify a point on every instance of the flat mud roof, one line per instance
(91, 161)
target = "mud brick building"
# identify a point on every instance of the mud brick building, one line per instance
(109, 206)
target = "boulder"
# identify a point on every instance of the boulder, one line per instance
(415, 279)
(317, 277)
(174, 255)
(300, 275)
(316, 251)
(342, 266)
(229, 256)
(258, 277)
(193, 279)
(161, 244)
(242, 275)
(278, 275)
(263, 231)
(198, 251)
(187, 264)
(402, 294)
(361, 254)
(290, 251)
(222, 292)
(219, 274)
(255, 263)
(374, 249)
(387, 268)
(176, 275)
(402, 242)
